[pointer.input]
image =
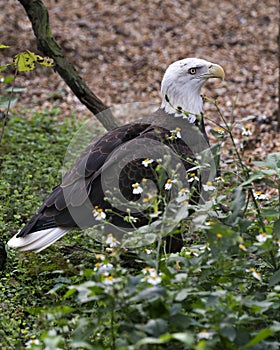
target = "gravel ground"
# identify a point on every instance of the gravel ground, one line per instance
(121, 48)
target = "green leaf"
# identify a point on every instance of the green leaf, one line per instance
(275, 279)
(5, 102)
(56, 288)
(24, 61)
(69, 293)
(276, 228)
(201, 345)
(184, 338)
(216, 134)
(270, 212)
(8, 80)
(61, 309)
(182, 295)
(149, 293)
(236, 205)
(228, 331)
(256, 176)
(15, 88)
(263, 334)
(182, 213)
(259, 306)
(150, 340)
(249, 117)
(156, 327)
(82, 345)
(3, 67)
(3, 46)
(272, 161)
(44, 61)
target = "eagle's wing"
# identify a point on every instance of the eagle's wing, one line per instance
(114, 162)
(77, 182)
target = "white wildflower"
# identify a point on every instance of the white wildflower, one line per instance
(30, 343)
(168, 184)
(257, 276)
(246, 130)
(99, 214)
(183, 196)
(109, 280)
(219, 131)
(182, 192)
(151, 277)
(112, 241)
(175, 134)
(148, 198)
(147, 161)
(154, 280)
(208, 186)
(193, 177)
(254, 273)
(219, 179)
(242, 247)
(259, 195)
(103, 269)
(205, 247)
(100, 256)
(192, 252)
(205, 334)
(137, 189)
(130, 218)
(262, 237)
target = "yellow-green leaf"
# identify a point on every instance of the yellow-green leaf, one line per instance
(24, 61)
(2, 68)
(3, 46)
(44, 61)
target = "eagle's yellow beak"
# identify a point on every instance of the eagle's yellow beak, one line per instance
(213, 71)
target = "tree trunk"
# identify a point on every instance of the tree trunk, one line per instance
(39, 18)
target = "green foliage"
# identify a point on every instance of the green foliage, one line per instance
(222, 291)
(23, 62)
(31, 155)
(31, 158)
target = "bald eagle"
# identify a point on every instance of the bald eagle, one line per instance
(123, 158)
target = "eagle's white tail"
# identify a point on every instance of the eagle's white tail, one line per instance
(38, 240)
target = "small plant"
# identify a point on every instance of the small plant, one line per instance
(22, 62)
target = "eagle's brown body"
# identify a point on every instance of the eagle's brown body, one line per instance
(104, 176)
(71, 204)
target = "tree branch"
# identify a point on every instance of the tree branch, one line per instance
(39, 18)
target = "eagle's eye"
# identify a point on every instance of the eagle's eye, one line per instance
(192, 71)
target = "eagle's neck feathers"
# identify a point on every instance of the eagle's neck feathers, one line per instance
(176, 94)
(191, 103)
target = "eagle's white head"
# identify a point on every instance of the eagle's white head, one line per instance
(182, 82)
